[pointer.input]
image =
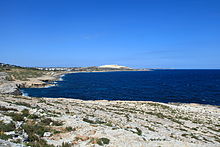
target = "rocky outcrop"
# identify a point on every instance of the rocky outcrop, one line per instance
(10, 88)
(4, 143)
(3, 76)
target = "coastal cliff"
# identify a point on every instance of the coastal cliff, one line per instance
(12, 87)
(12, 78)
(7, 87)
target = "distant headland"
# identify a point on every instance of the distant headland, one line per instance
(13, 77)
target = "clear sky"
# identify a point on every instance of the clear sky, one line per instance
(135, 33)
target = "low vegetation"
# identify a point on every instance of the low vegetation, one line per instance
(93, 121)
(6, 127)
(23, 104)
(49, 121)
(69, 129)
(74, 122)
(65, 144)
(102, 141)
(15, 116)
(3, 136)
(2, 108)
(21, 73)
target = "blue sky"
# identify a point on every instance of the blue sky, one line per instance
(135, 33)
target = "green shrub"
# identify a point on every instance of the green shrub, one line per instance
(9, 78)
(88, 121)
(32, 137)
(35, 129)
(48, 121)
(56, 131)
(39, 143)
(93, 122)
(102, 141)
(69, 129)
(108, 124)
(139, 132)
(15, 116)
(4, 136)
(16, 141)
(25, 112)
(65, 144)
(42, 101)
(7, 127)
(57, 123)
(33, 116)
(2, 108)
(23, 104)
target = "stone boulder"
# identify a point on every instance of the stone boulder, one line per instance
(9, 88)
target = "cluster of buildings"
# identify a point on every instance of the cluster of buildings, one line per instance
(91, 68)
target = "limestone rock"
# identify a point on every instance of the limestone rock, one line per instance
(9, 88)
(4, 143)
(3, 76)
(47, 134)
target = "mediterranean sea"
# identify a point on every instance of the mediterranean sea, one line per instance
(184, 86)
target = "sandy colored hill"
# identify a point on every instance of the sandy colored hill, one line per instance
(115, 67)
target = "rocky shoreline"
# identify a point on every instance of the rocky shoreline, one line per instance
(13, 87)
(120, 123)
(65, 122)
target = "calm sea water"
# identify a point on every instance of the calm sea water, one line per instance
(187, 86)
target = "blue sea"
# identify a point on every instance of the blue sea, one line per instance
(185, 86)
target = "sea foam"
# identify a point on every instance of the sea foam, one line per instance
(24, 93)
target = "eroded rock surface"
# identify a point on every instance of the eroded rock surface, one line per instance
(4, 143)
(9, 88)
(116, 123)
(3, 76)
